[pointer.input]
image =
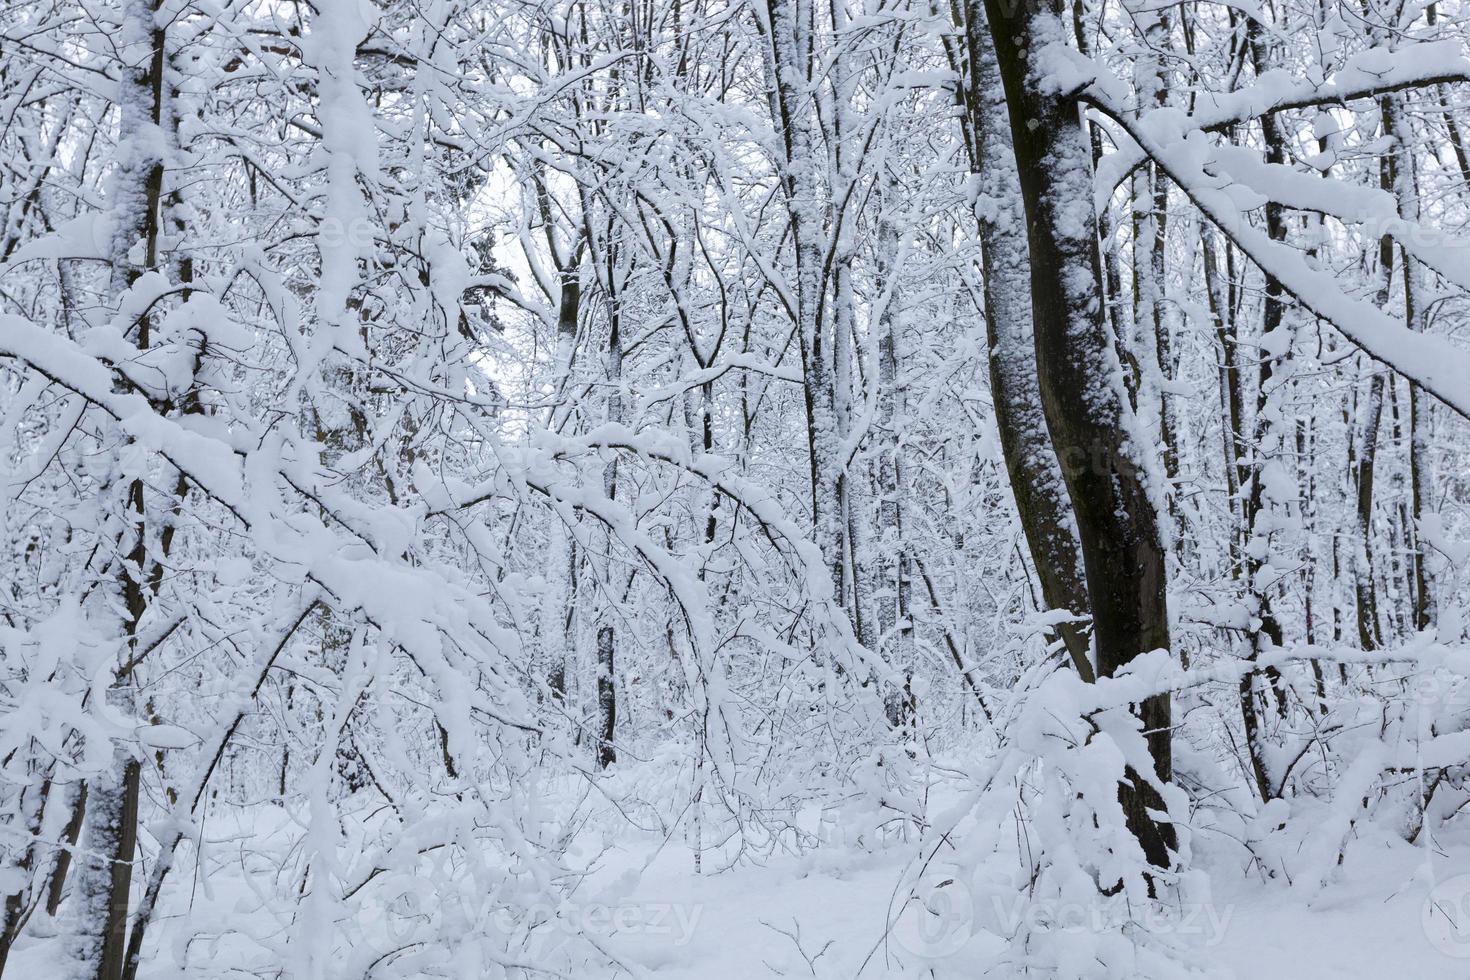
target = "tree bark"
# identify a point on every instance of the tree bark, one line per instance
(791, 63)
(1031, 463)
(98, 922)
(607, 698)
(1082, 390)
(99, 909)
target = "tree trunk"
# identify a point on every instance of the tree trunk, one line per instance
(1275, 345)
(1365, 590)
(791, 63)
(56, 884)
(893, 576)
(1406, 189)
(607, 698)
(1082, 389)
(1031, 463)
(99, 916)
(99, 909)
(607, 693)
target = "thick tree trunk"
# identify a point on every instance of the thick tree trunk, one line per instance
(99, 909)
(1031, 463)
(1082, 388)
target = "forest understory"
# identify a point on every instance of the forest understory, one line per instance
(716, 489)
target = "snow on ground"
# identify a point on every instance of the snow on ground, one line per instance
(830, 910)
(837, 913)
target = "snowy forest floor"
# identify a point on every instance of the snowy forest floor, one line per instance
(837, 911)
(749, 921)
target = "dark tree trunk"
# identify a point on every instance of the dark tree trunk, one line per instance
(607, 698)
(1035, 476)
(55, 887)
(1082, 388)
(104, 875)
